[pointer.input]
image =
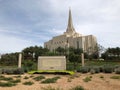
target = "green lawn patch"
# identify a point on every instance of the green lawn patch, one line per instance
(61, 72)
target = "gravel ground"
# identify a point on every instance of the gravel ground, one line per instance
(66, 82)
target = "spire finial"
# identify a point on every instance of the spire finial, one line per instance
(70, 27)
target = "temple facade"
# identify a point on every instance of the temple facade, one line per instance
(71, 38)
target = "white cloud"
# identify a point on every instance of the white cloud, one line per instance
(30, 22)
(13, 44)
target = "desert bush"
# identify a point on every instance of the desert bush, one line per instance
(39, 78)
(0, 71)
(115, 77)
(97, 69)
(12, 71)
(28, 83)
(117, 70)
(19, 76)
(84, 69)
(90, 76)
(26, 77)
(101, 76)
(77, 88)
(69, 80)
(50, 80)
(1, 77)
(94, 70)
(9, 79)
(31, 76)
(6, 78)
(101, 68)
(50, 88)
(29, 65)
(18, 71)
(15, 81)
(7, 84)
(87, 79)
(108, 69)
(7, 71)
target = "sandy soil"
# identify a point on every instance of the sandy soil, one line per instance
(66, 82)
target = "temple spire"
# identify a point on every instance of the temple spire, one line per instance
(70, 27)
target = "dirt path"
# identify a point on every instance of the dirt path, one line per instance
(98, 82)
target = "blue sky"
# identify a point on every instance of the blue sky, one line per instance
(25, 23)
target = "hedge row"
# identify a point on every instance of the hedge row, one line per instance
(12, 71)
(98, 69)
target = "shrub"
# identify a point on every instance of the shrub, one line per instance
(0, 71)
(115, 77)
(78, 69)
(7, 71)
(108, 69)
(87, 79)
(7, 84)
(39, 78)
(85, 69)
(77, 88)
(26, 77)
(117, 66)
(94, 70)
(29, 65)
(15, 81)
(50, 88)
(69, 80)
(117, 70)
(50, 80)
(97, 69)
(101, 76)
(6, 78)
(18, 71)
(12, 71)
(17, 76)
(101, 68)
(1, 77)
(90, 76)
(31, 76)
(28, 83)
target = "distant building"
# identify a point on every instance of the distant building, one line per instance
(71, 38)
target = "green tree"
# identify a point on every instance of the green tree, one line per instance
(9, 59)
(75, 59)
(75, 56)
(32, 52)
(60, 51)
(112, 54)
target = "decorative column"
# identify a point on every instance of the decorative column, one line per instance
(82, 57)
(19, 60)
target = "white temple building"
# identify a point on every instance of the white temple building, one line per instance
(71, 38)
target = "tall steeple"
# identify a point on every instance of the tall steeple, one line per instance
(70, 28)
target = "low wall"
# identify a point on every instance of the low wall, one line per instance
(51, 63)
